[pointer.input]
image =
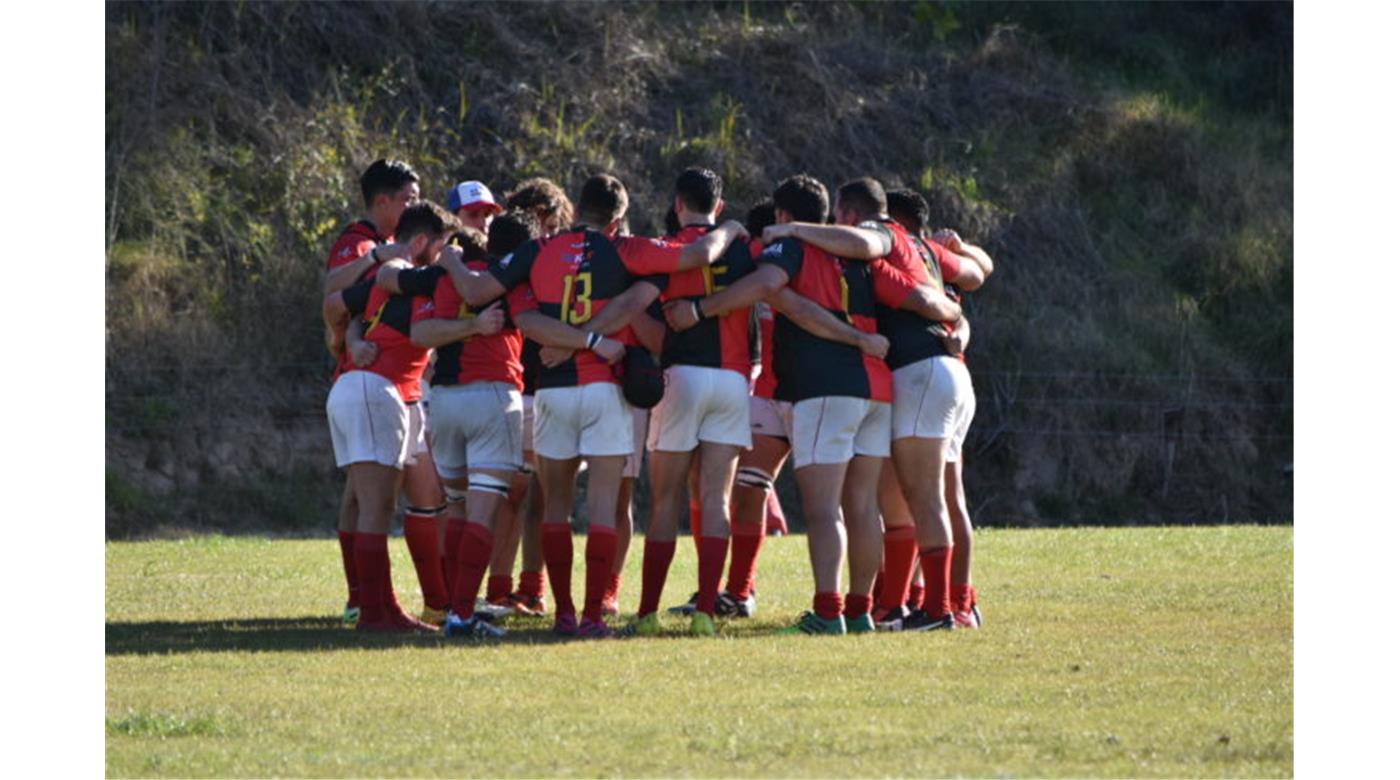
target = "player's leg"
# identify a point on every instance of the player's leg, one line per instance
(604, 483)
(669, 471)
(487, 489)
(756, 473)
(820, 488)
(960, 575)
(623, 524)
(505, 545)
(557, 428)
(345, 531)
(376, 494)
(860, 511)
(717, 465)
(919, 464)
(529, 595)
(901, 551)
(424, 495)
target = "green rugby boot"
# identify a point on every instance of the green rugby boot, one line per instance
(811, 623)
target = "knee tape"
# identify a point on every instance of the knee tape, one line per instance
(418, 510)
(488, 483)
(754, 478)
(454, 495)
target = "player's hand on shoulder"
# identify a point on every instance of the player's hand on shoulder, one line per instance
(554, 356)
(363, 353)
(778, 231)
(949, 238)
(394, 251)
(736, 227)
(490, 320)
(680, 315)
(874, 345)
(610, 350)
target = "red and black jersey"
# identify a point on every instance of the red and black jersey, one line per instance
(572, 276)
(912, 338)
(949, 264)
(493, 358)
(807, 366)
(353, 243)
(388, 320)
(715, 342)
(766, 382)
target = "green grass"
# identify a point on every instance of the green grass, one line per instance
(1134, 652)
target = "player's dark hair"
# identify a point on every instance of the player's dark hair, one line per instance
(803, 197)
(699, 189)
(672, 222)
(545, 198)
(760, 216)
(602, 200)
(385, 177)
(909, 209)
(425, 217)
(510, 230)
(472, 241)
(864, 196)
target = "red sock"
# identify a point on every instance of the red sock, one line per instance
(614, 585)
(420, 531)
(743, 560)
(901, 554)
(937, 564)
(497, 587)
(916, 596)
(599, 557)
(452, 541)
(347, 560)
(858, 604)
(557, 547)
(827, 605)
(531, 584)
(473, 558)
(656, 562)
(960, 597)
(712, 552)
(372, 564)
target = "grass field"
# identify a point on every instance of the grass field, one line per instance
(1132, 652)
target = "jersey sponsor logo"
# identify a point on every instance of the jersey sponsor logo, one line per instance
(345, 252)
(772, 250)
(658, 242)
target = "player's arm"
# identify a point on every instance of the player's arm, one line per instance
(649, 330)
(854, 243)
(811, 317)
(625, 308)
(336, 317)
(477, 288)
(762, 283)
(931, 303)
(956, 342)
(711, 246)
(550, 332)
(434, 332)
(953, 242)
(362, 352)
(343, 276)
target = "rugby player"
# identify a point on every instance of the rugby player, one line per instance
(923, 412)
(388, 187)
(839, 388)
(964, 268)
(375, 424)
(704, 409)
(574, 278)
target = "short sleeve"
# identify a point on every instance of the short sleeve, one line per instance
(785, 253)
(649, 256)
(514, 268)
(892, 286)
(356, 296)
(348, 249)
(420, 281)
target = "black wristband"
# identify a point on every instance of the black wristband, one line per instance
(699, 313)
(593, 339)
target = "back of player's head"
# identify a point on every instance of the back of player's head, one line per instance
(425, 218)
(602, 200)
(909, 209)
(864, 196)
(546, 199)
(385, 177)
(699, 190)
(510, 230)
(472, 241)
(803, 197)
(759, 217)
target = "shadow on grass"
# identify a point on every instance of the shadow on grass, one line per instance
(290, 634)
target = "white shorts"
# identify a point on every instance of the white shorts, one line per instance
(701, 404)
(641, 421)
(770, 418)
(476, 425)
(933, 399)
(418, 433)
(834, 429)
(593, 419)
(369, 421)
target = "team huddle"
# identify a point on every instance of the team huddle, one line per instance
(830, 333)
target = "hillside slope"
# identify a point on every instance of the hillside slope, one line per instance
(1128, 165)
